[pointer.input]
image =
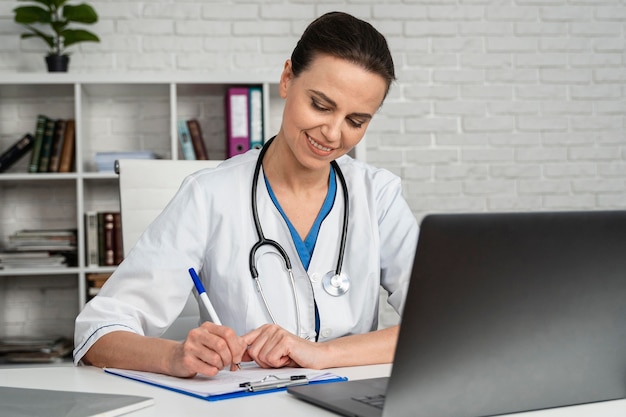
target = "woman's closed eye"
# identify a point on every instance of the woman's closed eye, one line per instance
(354, 122)
(319, 106)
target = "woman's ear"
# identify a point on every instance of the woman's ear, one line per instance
(285, 78)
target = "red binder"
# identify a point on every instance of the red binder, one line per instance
(237, 121)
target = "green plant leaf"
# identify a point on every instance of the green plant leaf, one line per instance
(72, 36)
(57, 15)
(82, 13)
(31, 14)
(59, 26)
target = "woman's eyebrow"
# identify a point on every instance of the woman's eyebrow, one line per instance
(332, 103)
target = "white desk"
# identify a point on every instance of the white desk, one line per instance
(168, 403)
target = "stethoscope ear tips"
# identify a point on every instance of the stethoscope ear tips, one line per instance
(336, 284)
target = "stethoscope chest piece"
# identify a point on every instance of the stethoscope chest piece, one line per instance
(336, 284)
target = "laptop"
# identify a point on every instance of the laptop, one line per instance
(505, 313)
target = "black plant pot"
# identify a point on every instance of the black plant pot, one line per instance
(57, 63)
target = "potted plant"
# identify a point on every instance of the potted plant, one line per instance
(57, 15)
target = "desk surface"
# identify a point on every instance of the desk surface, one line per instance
(168, 403)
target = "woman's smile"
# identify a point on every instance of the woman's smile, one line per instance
(318, 145)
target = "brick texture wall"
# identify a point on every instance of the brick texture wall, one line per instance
(499, 105)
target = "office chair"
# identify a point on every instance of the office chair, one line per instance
(146, 186)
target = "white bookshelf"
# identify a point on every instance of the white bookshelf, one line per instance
(113, 112)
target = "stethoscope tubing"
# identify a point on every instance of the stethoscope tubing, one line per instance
(346, 208)
(283, 253)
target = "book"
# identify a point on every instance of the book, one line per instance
(39, 131)
(237, 121)
(110, 249)
(227, 384)
(57, 146)
(16, 151)
(256, 117)
(46, 145)
(92, 256)
(95, 281)
(118, 243)
(185, 141)
(66, 160)
(106, 239)
(197, 139)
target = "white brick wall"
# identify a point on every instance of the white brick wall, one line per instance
(499, 105)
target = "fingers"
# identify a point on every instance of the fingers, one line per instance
(211, 348)
(271, 346)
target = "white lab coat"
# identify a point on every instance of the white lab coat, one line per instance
(208, 225)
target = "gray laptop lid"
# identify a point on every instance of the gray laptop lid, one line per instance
(512, 312)
(33, 402)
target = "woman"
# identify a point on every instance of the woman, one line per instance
(337, 78)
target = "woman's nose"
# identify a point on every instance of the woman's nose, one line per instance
(332, 129)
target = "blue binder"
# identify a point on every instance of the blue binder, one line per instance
(255, 102)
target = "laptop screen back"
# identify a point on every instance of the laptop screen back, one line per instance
(512, 312)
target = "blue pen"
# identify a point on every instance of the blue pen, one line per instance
(205, 300)
(204, 297)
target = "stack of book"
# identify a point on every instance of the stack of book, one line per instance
(244, 125)
(54, 240)
(53, 146)
(41, 248)
(38, 259)
(35, 350)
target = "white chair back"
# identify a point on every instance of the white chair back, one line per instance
(146, 186)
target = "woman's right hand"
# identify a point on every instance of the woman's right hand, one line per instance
(207, 350)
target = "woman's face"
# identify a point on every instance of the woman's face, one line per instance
(327, 108)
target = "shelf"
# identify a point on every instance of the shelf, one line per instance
(10, 176)
(140, 78)
(113, 112)
(37, 272)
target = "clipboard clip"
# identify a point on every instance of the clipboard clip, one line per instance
(273, 382)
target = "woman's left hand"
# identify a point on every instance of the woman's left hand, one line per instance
(271, 346)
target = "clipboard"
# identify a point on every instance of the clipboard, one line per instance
(250, 380)
(272, 382)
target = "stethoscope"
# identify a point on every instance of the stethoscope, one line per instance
(335, 282)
